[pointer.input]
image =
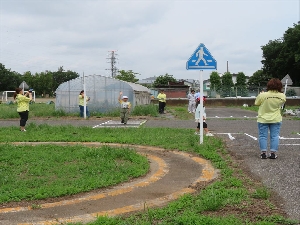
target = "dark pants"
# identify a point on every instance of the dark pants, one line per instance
(161, 107)
(204, 125)
(24, 118)
(81, 107)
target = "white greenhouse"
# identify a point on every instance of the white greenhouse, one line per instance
(103, 91)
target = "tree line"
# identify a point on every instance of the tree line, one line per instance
(43, 83)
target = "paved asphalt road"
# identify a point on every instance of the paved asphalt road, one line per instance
(239, 129)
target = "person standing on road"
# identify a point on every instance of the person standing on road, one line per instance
(162, 99)
(269, 117)
(22, 106)
(192, 102)
(125, 108)
(197, 119)
(81, 104)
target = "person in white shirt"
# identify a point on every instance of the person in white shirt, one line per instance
(125, 108)
(197, 119)
(192, 102)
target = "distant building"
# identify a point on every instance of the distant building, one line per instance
(175, 89)
(147, 81)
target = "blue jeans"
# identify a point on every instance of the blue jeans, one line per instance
(81, 107)
(263, 129)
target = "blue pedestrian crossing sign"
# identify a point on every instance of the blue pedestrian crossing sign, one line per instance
(201, 59)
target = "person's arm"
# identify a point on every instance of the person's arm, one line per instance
(258, 100)
(27, 97)
(119, 98)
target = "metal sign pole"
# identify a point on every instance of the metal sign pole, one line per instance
(201, 60)
(84, 98)
(286, 81)
(201, 106)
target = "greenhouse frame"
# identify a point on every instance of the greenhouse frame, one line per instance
(103, 92)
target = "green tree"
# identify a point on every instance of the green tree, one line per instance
(61, 76)
(215, 81)
(9, 80)
(241, 85)
(259, 79)
(282, 56)
(227, 84)
(291, 92)
(163, 80)
(42, 83)
(128, 76)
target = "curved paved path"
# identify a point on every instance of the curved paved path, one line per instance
(172, 174)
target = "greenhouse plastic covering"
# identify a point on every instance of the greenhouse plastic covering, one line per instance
(103, 92)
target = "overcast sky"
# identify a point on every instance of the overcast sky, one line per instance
(150, 37)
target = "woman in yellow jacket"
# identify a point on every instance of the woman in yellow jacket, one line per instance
(22, 106)
(269, 117)
(161, 101)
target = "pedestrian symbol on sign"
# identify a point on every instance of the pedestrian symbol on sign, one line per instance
(201, 59)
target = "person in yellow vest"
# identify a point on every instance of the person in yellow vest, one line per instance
(161, 101)
(125, 108)
(269, 117)
(22, 106)
(81, 104)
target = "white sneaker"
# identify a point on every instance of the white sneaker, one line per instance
(197, 133)
(209, 134)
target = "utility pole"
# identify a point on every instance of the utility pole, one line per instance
(299, 13)
(112, 61)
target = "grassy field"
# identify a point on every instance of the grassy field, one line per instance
(233, 199)
(47, 171)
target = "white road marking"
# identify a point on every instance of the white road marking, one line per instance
(251, 136)
(283, 138)
(289, 144)
(230, 137)
(101, 124)
(118, 124)
(227, 117)
(227, 133)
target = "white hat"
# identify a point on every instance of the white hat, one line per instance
(125, 96)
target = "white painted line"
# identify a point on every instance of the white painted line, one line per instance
(227, 117)
(251, 136)
(289, 144)
(230, 137)
(101, 124)
(117, 124)
(143, 122)
(227, 133)
(283, 138)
